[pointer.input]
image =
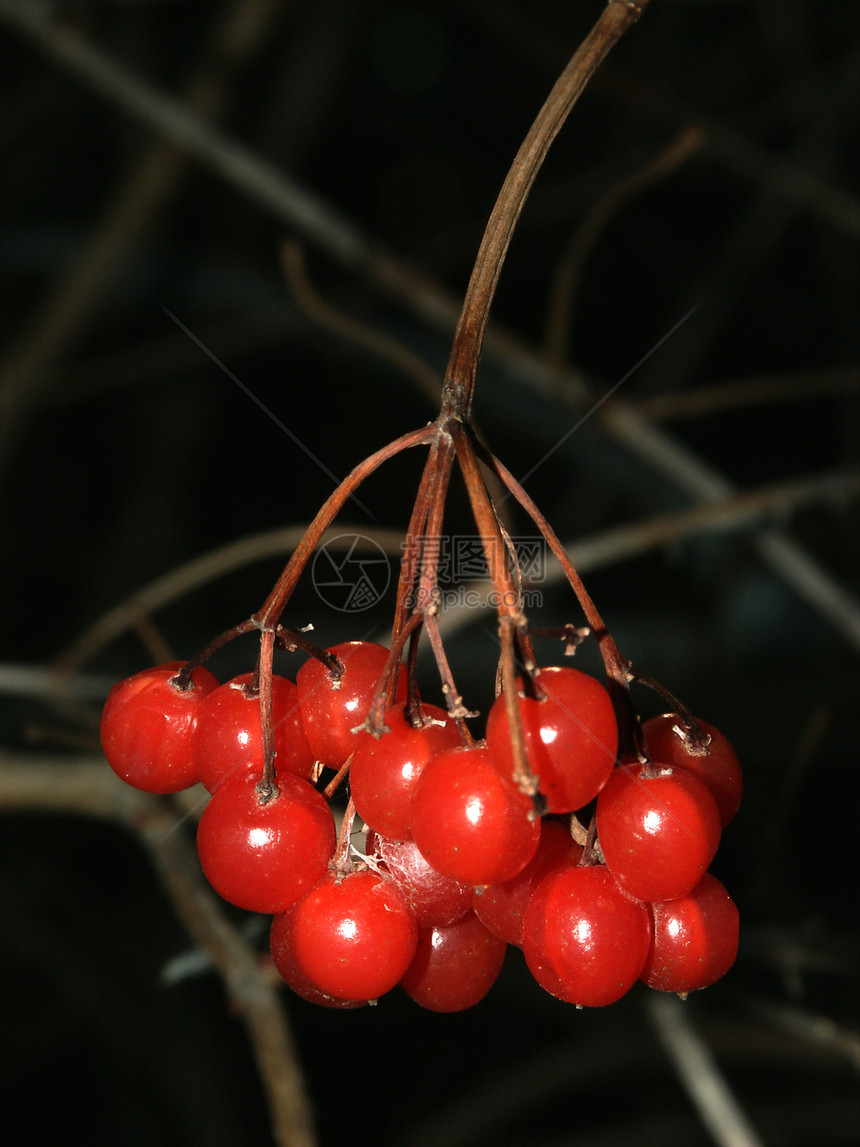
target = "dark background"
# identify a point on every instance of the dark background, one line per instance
(127, 452)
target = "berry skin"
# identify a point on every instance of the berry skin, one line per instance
(384, 771)
(717, 764)
(282, 958)
(352, 936)
(584, 940)
(658, 834)
(454, 966)
(570, 736)
(501, 907)
(470, 821)
(148, 724)
(434, 899)
(695, 939)
(332, 709)
(262, 856)
(229, 735)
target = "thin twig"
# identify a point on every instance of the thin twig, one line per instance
(389, 349)
(809, 1026)
(734, 395)
(645, 100)
(567, 279)
(624, 542)
(741, 511)
(209, 567)
(699, 1074)
(63, 314)
(88, 788)
(293, 204)
(783, 555)
(36, 681)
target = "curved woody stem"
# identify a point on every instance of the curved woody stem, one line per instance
(460, 376)
(449, 437)
(274, 604)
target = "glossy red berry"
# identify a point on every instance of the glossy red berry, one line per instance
(332, 708)
(147, 726)
(570, 736)
(384, 771)
(454, 966)
(501, 907)
(658, 833)
(669, 741)
(584, 940)
(470, 820)
(282, 958)
(229, 735)
(263, 855)
(434, 899)
(352, 936)
(695, 939)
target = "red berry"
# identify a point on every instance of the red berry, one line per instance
(282, 957)
(331, 708)
(263, 855)
(383, 772)
(658, 834)
(229, 735)
(668, 741)
(454, 966)
(470, 821)
(435, 899)
(695, 939)
(352, 936)
(501, 907)
(147, 726)
(584, 940)
(570, 736)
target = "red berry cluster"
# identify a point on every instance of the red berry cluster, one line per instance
(571, 830)
(460, 859)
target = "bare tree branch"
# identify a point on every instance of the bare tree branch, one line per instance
(282, 196)
(81, 787)
(61, 318)
(699, 1074)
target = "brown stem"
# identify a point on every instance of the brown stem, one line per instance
(460, 375)
(453, 698)
(590, 855)
(412, 546)
(428, 581)
(413, 700)
(489, 530)
(425, 522)
(267, 789)
(217, 643)
(290, 641)
(572, 636)
(512, 622)
(338, 779)
(618, 670)
(374, 722)
(696, 737)
(523, 776)
(342, 861)
(274, 604)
